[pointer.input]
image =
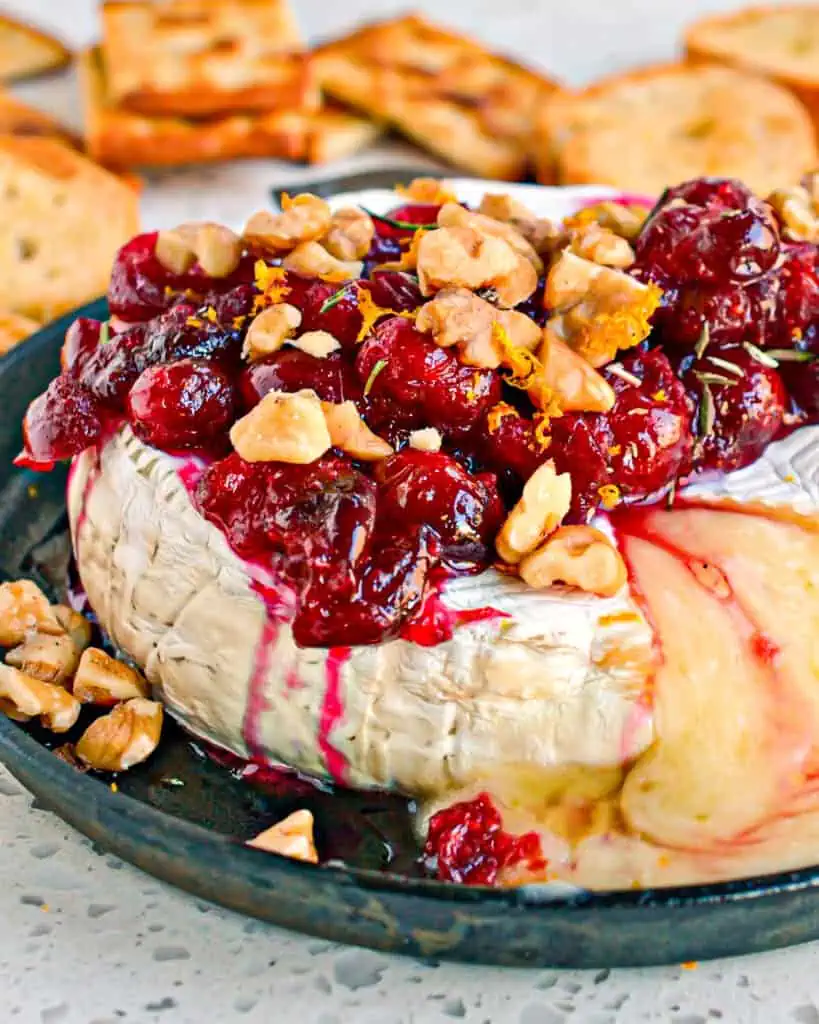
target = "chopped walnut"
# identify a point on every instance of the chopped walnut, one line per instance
(597, 310)
(350, 235)
(23, 697)
(466, 258)
(318, 344)
(598, 244)
(428, 190)
(409, 258)
(309, 259)
(545, 236)
(283, 428)
(123, 738)
(542, 507)
(270, 330)
(302, 219)
(624, 220)
(453, 215)
(456, 316)
(101, 679)
(579, 556)
(53, 659)
(426, 440)
(76, 625)
(292, 837)
(350, 433)
(798, 210)
(24, 608)
(578, 386)
(216, 248)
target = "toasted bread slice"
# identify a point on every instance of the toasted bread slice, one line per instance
(781, 42)
(199, 58)
(18, 118)
(649, 128)
(444, 91)
(14, 329)
(27, 51)
(62, 218)
(124, 139)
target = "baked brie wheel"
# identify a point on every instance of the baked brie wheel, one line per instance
(508, 502)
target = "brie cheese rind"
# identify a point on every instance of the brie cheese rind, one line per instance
(556, 677)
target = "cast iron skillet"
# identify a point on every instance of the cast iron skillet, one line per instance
(183, 818)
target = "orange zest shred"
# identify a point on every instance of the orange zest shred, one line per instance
(371, 312)
(659, 396)
(527, 373)
(210, 314)
(193, 321)
(542, 435)
(607, 333)
(271, 284)
(609, 496)
(497, 413)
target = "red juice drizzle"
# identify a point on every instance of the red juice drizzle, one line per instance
(256, 701)
(332, 710)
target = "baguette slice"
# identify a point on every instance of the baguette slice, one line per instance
(123, 139)
(646, 129)
(14, 329)
(201, 58)
(26, 51)
(18, 118)
(443, 90)
(781, 42)
(62, 219)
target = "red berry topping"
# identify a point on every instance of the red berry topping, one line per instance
(333, 378)
(577, 451)
(740, 407)
(185, 404)
(62, 422)
(466, 843)
(81, 340)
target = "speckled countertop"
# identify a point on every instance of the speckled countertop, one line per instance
(86, 939)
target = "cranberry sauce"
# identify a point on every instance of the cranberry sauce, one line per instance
(363, 546)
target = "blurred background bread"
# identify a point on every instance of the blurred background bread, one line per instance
(26, 50)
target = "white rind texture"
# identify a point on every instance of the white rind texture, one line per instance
(537, 688)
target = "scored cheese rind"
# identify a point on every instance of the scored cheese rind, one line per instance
(556, 677)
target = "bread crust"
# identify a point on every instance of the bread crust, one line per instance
(701, 46)
(26, 51)
(14, 329)
(443, 90)
(207, 59)
(647, 128)
(124, 139)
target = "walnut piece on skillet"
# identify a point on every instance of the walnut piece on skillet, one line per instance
(291, 837)
(101, 679)
(23, 697)
(23, 609)
(53, 659)
(123, 738)
(76, 625)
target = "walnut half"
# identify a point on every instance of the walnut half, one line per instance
(101, 679)
(23, 697)
(291, 837)
(23, 609)
(124, 737)
(543, 505)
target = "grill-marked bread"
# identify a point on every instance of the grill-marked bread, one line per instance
(442, 90)
(646, 129)
(124, 139)
(781, 42)
(27, 51)
(54, 204)
(200, 58)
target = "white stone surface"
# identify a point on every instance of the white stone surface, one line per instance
(86, 939)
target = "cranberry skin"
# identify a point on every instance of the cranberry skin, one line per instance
(62, 422)
(392, 289)
(511, 445)
(426, 378)
(647, 433)
(81, 341)
(407, 213)
(576, 450)
(466, 843)
(748, 413)
(187, 331)
(798, 298)
(723, 193)
(333, 378)
(184, 404)
(112, 369)
(728, 310)
(431, 488)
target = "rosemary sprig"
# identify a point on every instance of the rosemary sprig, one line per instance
(703, 341)
(791, 355)
(759, 356)
(374, 372)
(624, 374)
(334, 299)
(403, 225)
(707, 413)
(725, 364)
(714, 378)
(105, 333)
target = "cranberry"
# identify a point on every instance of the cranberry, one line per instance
(333, 379)
(507, 442)
(62, 422)
(466, 843)
(575, 449)
(181, 405)
(399, 363)
(797, 309)
(111, 370)
(420, 214)
(747, 405)
(81, 340)
(726, 310)
(430, 488)
(185, 331)
(392, 289)
(647, 433)
(722, 193)
(711, 242)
